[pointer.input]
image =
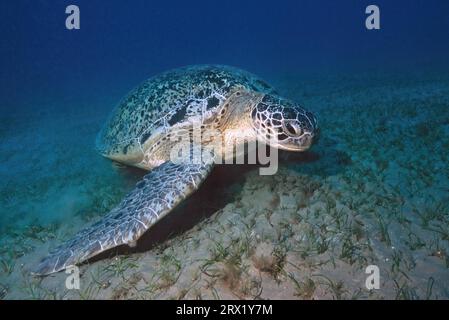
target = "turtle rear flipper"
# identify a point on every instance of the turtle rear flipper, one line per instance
(153, 197)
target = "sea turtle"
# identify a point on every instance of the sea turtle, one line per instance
(145, 127)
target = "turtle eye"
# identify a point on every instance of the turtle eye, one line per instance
(292, 129)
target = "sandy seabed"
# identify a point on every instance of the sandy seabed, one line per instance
(373, 191)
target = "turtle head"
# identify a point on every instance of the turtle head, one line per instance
(283, 124)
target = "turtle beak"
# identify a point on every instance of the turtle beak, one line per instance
(297, 144)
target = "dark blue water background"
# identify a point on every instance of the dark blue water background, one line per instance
(121, 43)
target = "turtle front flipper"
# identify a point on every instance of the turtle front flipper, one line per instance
(157, 194)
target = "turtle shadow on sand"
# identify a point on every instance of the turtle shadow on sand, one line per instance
(327, 158)
(202, 204)
(222, 187)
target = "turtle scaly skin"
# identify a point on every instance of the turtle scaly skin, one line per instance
(168, 99)
(229, 107)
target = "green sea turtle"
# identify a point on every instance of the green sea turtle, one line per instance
(145, 127)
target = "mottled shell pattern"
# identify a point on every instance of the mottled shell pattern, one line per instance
(168, 99)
